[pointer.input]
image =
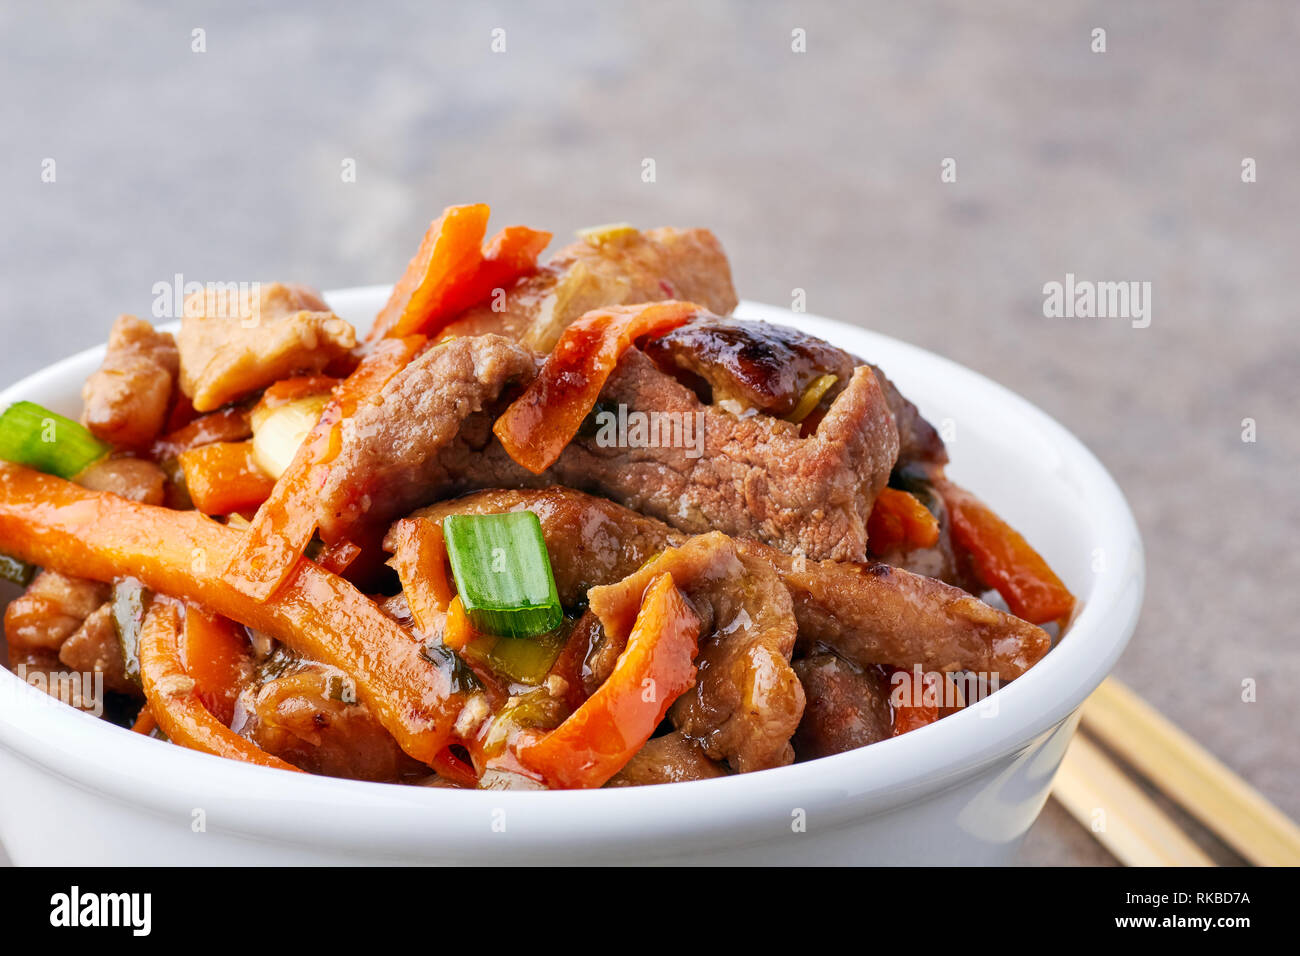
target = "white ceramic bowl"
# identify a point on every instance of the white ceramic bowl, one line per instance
(75, 790)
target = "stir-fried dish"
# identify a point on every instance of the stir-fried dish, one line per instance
(558, 525)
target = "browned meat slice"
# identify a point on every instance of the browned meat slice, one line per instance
(847, 707)
(94, 649)
(747, 701)
(672, 758)
(132, 478)
(51, 610)
(751, 475)
(232, 346)
(869, 613)
(875, 614)
(127, 397)
(388, 460)
(609, 267)
(769, 367)
(307, 713)
(749, 363)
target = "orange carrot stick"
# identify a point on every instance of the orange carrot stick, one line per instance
(173, 700)
(450, 252)
(56, 524)
(215, 652)
(420, 560)
(898, 519)
(541, 421)
(458, 633)
(1003, 559)
(224, 477)
(655, 668)
(452, 273)
(285, 522)
(144, 722)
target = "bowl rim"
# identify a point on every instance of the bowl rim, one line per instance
(94, 755)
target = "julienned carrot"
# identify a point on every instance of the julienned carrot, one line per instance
(144, 722)
(541, 421)
(172, 696)
(925, 704)
(458, 633)
(56, 524)
(656, 667)
(216, 653)
(420, 560)
(450, 252)
(453, 272)
(898, 519)
(1003, 559)
(224, 477)
(286, 521)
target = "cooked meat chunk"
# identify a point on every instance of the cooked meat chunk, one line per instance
(232, 346)
(307, 714)
(132, 478)
(747, 701)
(869, 613)
(51, 610)
(769, 367)
(617, 267)
(754, 475)
(94, 649)
(128, 396)
(671, 758)
(752, 364)
(848, 707)
(875, 614)
(388, 461)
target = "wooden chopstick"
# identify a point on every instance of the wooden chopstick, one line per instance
(1190, 775)
(1118, 813)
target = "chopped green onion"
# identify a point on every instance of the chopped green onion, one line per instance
(528, 662)
(462, 676)
(130, 602)
(38, 438)
(503, 573)
(16, 570)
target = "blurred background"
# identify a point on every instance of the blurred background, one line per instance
(819, 170)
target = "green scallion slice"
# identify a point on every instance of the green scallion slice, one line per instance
(38, 438)
(503, 573)
(16, 570)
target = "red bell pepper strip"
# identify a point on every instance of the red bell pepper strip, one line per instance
(656, 667)
(541, 421)
(1003, 559)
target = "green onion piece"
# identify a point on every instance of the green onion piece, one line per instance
(38, 438)
(130, 602)
(528, 662)
(503, 573)
(16, 570)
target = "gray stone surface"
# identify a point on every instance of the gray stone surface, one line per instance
(818, 170)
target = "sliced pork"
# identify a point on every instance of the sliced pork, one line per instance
(127, 398)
